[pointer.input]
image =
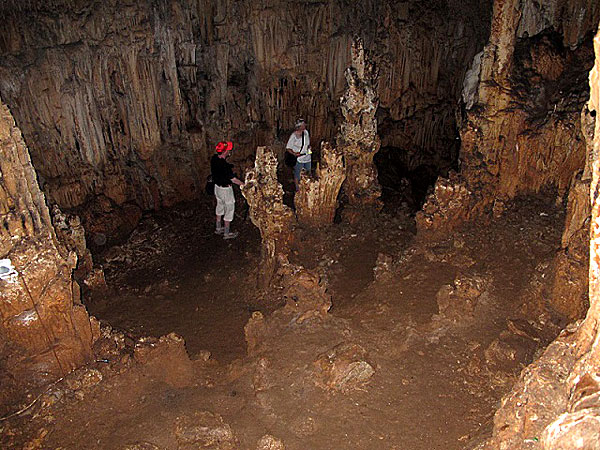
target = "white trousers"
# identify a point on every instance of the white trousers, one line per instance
(225, 202)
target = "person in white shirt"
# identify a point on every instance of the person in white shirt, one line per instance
(299, 146)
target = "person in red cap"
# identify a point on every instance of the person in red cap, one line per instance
(223, 177)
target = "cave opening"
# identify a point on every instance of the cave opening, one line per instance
(436, 259)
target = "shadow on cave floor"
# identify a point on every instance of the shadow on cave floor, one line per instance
(175, 275)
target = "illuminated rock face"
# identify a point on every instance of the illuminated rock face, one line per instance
(358, 139)
(524, 133)
(44, 329)
(121, 103)
(556, 400)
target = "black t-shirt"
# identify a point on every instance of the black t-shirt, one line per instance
(222, 171)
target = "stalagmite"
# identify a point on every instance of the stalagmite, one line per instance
(358, 139)
(316, 201)
(275, 220)
(40, 313)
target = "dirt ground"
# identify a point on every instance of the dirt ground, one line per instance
(421, 342)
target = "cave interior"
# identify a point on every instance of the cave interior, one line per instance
(432, 283)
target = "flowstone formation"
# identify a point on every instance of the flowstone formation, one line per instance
(44, 329)
(275, 220)
(317, 199)
(121, 103)
(358, 139)
(556, 403)
(522, 133)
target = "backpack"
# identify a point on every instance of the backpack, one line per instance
(210, 185)
(289, 159)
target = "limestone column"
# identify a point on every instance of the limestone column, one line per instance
(317, 199)
(47, 329)
(275, 220)
(358, 139)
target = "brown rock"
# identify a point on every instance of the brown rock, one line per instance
(166, 359)
(577, 430)
(255, 331)
(383, 266)
(268, 442)
(317, 199)
(40, 315)
(204, 430)
(358, 139)
(275, 220)
(343, 368)
(141, 446)
(458, 301)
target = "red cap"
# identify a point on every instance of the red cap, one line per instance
(224, 146)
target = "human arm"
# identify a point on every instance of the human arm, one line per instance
(290, 146)
(235, 180)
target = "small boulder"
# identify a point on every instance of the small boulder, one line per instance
(268, 442)
(343, 368)
(204, 430)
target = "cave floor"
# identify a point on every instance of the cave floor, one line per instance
(438, 374)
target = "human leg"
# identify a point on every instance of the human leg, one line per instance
(298, 172)
(220, 210)
(229, 201)
(297, 169)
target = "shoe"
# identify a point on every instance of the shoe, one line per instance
(230, 235)
(219, 231)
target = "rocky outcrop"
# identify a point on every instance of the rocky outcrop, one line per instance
(569, 294)
(71, 234)
(524, 133)
(305, 298)
(48, 330)
(317, 199)
(275, 220)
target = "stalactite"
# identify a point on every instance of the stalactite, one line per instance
(316, 201)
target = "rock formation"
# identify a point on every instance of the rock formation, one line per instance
(317, 199)
(556, 399)
(275, 220)
(121, 103)
(523, 134)
(71, 234)
(44, 329)
(358, 139)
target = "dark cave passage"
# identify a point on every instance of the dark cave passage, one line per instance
(407, 184)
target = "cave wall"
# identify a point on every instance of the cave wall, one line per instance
(45, 332)
(522, 133)
(121, 102)
(557, 398)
